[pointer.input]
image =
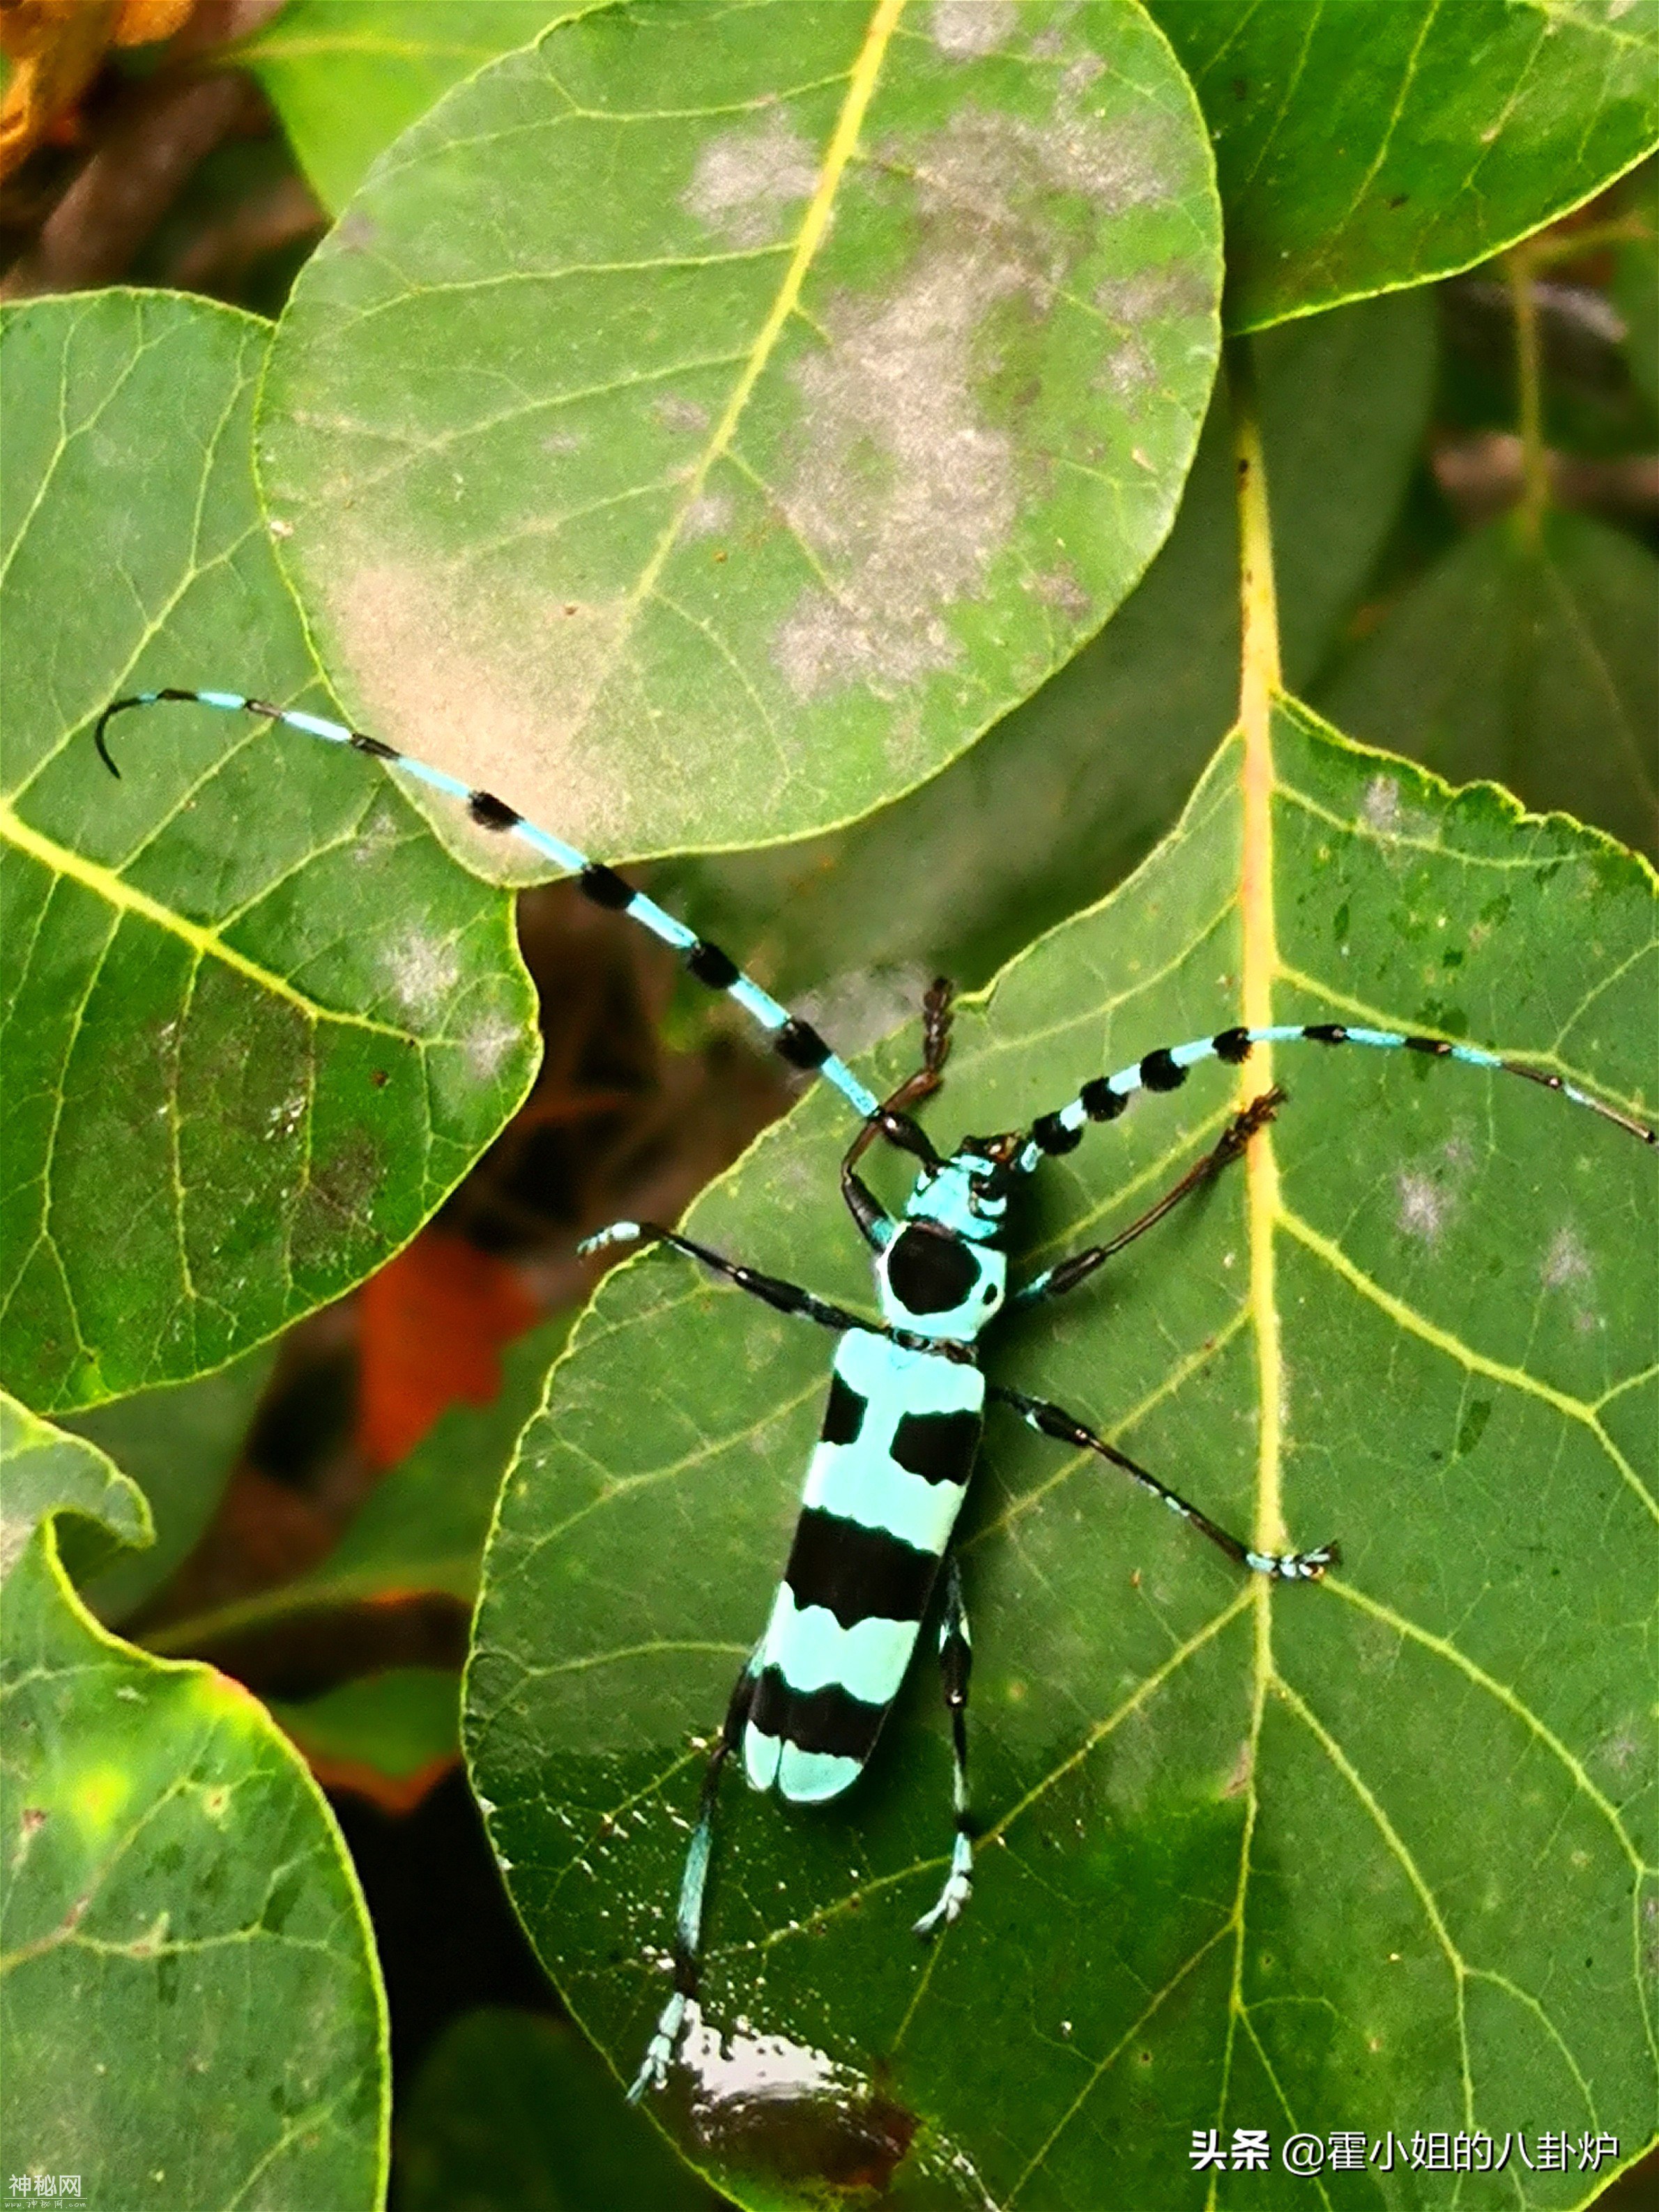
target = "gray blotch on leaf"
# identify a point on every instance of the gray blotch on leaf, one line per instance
(1425, 1205)
(1566, 1261)
(963, 30)
(708, 515)
(746, 177)
(675, 413)
(900, 493)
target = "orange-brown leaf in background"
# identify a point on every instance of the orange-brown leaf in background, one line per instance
(56, 47)
(393, 1793)
(433, 1322)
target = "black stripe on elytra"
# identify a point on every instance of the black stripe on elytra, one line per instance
(843, 1417)
(857, 1573)
(930, 1270)
(362, 742)
(825, 1720)
(490, 812)
(1325, 1033)
(1437, 1048)
(1231, 1045)
(939, 1447)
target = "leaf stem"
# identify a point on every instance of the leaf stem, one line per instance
(1554, 247)
(1518, 270)
(1258, 671)
(1259, 687)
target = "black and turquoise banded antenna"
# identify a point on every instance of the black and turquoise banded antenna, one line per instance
(1101, 1099)
(907, 1397)
(794, 1040)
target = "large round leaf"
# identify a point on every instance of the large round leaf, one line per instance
(704, 424)
(255, 1024)
(1360, 1856)
(191, 2012)
(1386, 142)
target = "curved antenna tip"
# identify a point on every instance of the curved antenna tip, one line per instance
(116, 707)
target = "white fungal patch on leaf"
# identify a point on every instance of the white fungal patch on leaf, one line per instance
(963, 30)
(902, 491)
(707, 516)
(490, 1045)
(676, 413)
(745, 178)
(422, 972)
(1566, 1262)
(1423, 1205)
(1059, 587)
(865, 1004)
(1380, 809)
(494, 684)
(1173, 290)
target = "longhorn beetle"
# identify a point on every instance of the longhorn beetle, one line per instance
(907, 1393)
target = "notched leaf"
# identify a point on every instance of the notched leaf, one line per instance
(190, 1998)
(1210, 1818)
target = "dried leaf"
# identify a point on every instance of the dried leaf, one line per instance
(433, 1322)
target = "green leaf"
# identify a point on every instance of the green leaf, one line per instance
(708, 423)
(1357, 157)
(179, 1445)
(255, 1023)
(191, 2012)
(1067, 793)
(1636, 281)
(347, 76)
(1286, 1858)
(1529, 659)
(43, 1472)
(421, 1528)
(400, 1724)
(511, 2113)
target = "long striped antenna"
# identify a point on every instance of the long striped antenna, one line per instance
(1107, 1096)
(793, 1039)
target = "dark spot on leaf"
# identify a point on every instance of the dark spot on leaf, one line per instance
(1473, 1426)
(335, 1204)
(166, 1979)
(1340, 924)
(857, 2145)
(1399, 199)
(1240, 89)
(284, 1896)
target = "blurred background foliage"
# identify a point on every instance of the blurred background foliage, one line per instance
(1466, 488)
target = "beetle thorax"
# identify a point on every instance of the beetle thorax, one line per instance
(943, 1272)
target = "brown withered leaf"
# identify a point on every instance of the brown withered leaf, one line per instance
(55, 47)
